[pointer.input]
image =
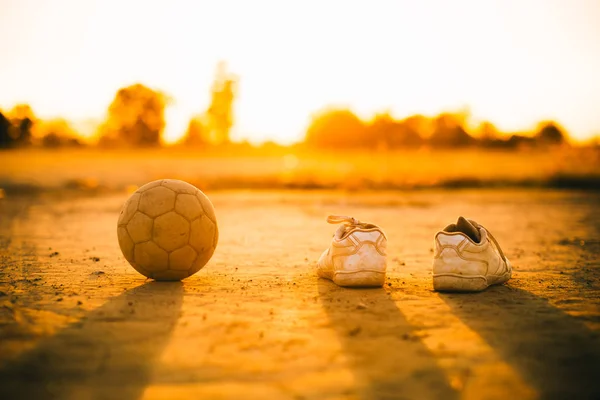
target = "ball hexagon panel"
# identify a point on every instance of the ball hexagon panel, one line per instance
(140, 228)
(207, 206)
(179, 187)
(171, 231)
(202, 234)
(157, 201)
(125, 243)
(142, 270)
(151, 257)
(182, 259)
(201, 261)
(149, 186)
(189, 206)
(129, 209)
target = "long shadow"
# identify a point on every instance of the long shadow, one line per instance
(554, 352)
(387, 356)
(108, 354)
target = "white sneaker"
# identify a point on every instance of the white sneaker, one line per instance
(468, 259)
(357, 255)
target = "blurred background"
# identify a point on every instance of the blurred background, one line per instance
(107, 95)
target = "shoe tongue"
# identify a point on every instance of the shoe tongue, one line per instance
(464, 226)
(341, 231)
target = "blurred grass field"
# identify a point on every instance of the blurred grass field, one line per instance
(40, 170)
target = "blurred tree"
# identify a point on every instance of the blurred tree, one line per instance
(336, 128)
(382, 129)
(56, 133)
(220, 110)
(5, 125)
(23, 137)
(52, 140)
(420, 124)
(214, 125)
(488, 135)
(386, 132)
(196, 134)
(22, 119)
(21, 112)
(487, 131)
(449, 131)
(136, 117)
(520, 141)
(549, 133)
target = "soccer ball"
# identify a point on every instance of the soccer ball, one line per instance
(167, 230)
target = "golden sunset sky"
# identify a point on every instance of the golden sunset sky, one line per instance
(514, 62)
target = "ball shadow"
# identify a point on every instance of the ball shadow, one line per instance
(109, 353)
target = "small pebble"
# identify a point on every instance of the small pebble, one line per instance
(355, 331)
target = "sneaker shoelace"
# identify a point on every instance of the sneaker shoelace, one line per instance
(477, 225)
(338, 219)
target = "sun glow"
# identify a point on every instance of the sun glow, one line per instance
(511, 62)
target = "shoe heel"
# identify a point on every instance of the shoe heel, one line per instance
(360, 278)
(450, 283)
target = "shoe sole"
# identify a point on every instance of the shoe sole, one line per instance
(365, 278)
(462, 283)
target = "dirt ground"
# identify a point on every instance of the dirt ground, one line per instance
(77, 322)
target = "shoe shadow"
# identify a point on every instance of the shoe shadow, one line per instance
(387, 357)
(554, 352)
(109, 353)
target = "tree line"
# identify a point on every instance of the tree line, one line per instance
(136, 118)
(341, 128)
(21, 128)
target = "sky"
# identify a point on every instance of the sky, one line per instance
(513, 62)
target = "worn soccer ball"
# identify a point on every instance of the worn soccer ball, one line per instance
(167, 230)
